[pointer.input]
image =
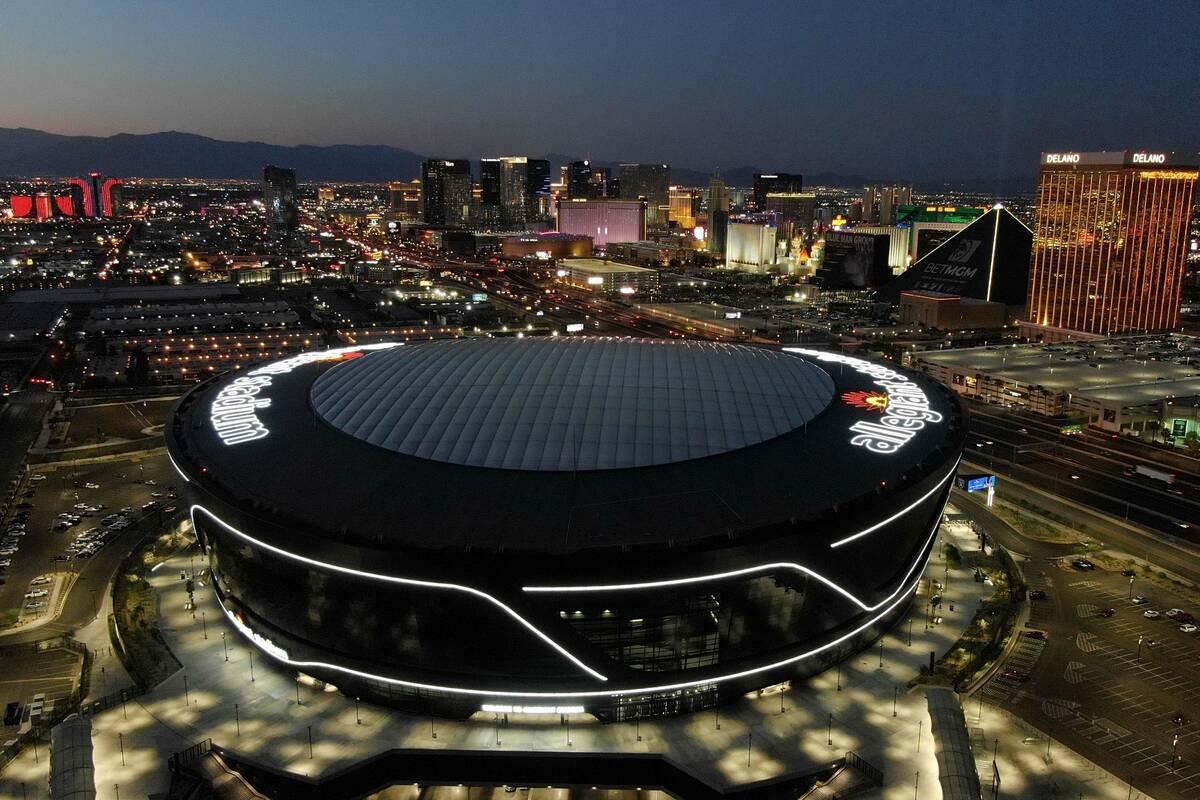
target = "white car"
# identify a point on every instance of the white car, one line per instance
(5, 562)
(1151, 614)
(38, 477)
(40, 580)
(1187, 627)
(36, 593)
(81, 506)
(8, 551)
(34, 605)
(90, 485)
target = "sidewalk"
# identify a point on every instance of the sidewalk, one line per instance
(754, 739)
(1024, 768)
(107, 673)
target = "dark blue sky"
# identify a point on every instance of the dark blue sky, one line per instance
(916, 90)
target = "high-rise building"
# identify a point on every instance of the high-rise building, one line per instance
(718, 213)
(1109, 246)
(579, 180)
(683, 206)
(537, 189)
(490, 178)
(650, 182)
(446, 191)
(95, 196)
(513, 190)
(279, 197)
(774, 183)
(404, 197)
(605, 220)
(880, 204)
(325, 193)
(750, 246)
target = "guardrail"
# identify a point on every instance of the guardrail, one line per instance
(860, 764)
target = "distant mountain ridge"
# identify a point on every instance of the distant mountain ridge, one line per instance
(25, 152)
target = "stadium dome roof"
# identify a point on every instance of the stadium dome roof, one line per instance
(570, 404)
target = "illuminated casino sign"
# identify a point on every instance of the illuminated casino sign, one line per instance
(234, 411)
(904, 413)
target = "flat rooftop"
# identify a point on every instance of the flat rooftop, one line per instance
(1129, 369)
(715, 313)
(600, 266)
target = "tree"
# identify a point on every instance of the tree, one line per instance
(1192, 442)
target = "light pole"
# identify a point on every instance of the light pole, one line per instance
(920, 727)
(1174, 749)
(121, 744)
(251, 652)
(357, 716)
(1139, 652)
(839, 676)
(225, 645)
(186, 699)
(310, 747)
(203, 625)
(881, 652)
(829, 730)
(895, 696)
(749, 740)
(237, 720)
(1131, 577)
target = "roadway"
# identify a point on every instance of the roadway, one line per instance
(20, 421)
(1088, 469)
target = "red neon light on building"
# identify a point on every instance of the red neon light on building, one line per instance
(110, 196)
(21, 204)
(44, 206)
(65, 205)
(85, 193)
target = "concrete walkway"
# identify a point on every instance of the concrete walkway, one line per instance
(256, 712)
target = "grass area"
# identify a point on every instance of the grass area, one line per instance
(135, 610)
(1033, 523)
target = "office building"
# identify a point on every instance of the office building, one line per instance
(774, 183)
(279, 198)
(628, 527)
(1109, 252)
(649, 182)
(446, 191)
(604, 220)
(750, 246)
(94, 196)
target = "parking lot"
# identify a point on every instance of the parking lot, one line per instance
(47, 546)
(53, 672)
(1107, 681)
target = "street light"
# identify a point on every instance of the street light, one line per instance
(1139, 652)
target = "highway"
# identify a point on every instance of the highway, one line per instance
(1086, 469)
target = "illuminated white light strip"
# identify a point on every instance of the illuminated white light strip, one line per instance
(501, 708)
(394, 579)
(901, 592)
(735, 573)
(182, 474)
(949, 475)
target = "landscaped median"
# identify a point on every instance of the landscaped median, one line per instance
(134, 624)
(993, 623)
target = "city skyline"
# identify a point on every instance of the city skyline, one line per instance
(921, 96)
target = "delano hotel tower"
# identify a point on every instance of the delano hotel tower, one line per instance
(1109, 243)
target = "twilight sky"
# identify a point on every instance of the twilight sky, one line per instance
(919, 90)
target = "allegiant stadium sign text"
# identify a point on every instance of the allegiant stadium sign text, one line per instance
(907, 411)
(234, 411)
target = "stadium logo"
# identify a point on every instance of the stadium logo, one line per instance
(905, 410)
(867, 401)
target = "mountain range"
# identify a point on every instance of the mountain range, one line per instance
(25, 152)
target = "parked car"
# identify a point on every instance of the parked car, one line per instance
(1179, 615)
(1083, 564)
(1139, 600)
(1128, 573)
(1107, 612)
(1039, 635)
(37, 477)
(36, 593)
(1150, 613)
(91, 485)
(40, 580)
(1187, 627)
(1037, 594)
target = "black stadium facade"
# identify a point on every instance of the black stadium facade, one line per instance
(627, 527)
